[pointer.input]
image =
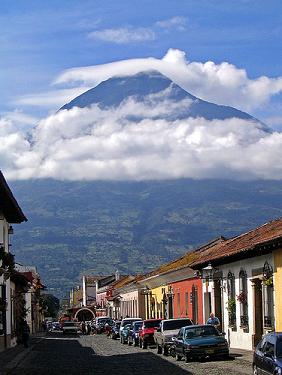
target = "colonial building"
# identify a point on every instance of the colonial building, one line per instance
(10, 213)
(173, 291)
(241, 283)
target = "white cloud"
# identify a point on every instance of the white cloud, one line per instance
(123, 35)
(176, 22)
(51, 99)
(95, 144)
(222, 83)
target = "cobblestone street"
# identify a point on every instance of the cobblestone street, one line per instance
(58, 354)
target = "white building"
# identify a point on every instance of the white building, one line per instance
(238, 285)
(10, 213)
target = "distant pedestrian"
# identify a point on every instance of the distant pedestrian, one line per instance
(83, 328)
(25, 333)
(214, 321)
(88, 328)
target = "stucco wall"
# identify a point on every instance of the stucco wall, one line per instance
(278, 289)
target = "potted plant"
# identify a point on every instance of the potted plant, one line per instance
(242, 297)
(231, 305)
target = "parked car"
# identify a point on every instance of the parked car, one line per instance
(114, 334)
(70, 327)
(199, 341)
(100, 323)
(126, 321)
(168, 329)
(124, 334)
(268, 355)
(133, 336)
(146, 334)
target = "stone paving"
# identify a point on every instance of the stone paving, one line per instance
(58, 354)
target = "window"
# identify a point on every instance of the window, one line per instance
(178, 305)
(231, 303)
(243, 299)
(186, 303)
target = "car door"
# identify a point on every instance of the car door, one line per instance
(179, 341)
(258, 356)
(268, 364)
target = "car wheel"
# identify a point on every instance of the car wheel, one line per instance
(172, 352)
(121, 340)
(187, 358)
(178, 357)
(129, 342)
(144, 344)
(159, 349)
(135, 342)
(165, 350)
(140, 343)
(255, 370)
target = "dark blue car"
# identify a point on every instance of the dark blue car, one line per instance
(133, 336)
(268, 355)
(199, 341)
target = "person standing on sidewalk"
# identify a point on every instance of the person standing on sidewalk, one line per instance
(25, 333)
(214, 321)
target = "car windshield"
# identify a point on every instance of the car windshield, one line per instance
(279, 348)
(69, 324)
(176, 324)
(128, 321)
(137, 325)
(152, 324)
(200, 332)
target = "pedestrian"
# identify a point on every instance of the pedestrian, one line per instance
(88, 328)
(213, 320)
(25, 333)
(83, 328)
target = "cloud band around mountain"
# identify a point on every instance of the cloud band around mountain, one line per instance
(106, 144)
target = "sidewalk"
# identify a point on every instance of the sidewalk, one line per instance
(245, 355)
(10, 358)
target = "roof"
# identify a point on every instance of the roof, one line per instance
(257, 241)
(8, 204)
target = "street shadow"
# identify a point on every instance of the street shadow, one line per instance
(59, 356)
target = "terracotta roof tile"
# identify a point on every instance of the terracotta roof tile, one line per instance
(245, 242)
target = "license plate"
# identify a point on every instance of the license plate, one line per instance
(209, 351)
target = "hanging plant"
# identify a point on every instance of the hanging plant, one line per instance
(269, 281)
(8, 261)
(242, 297)
(231, 305)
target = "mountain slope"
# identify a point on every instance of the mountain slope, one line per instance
(114, 91)
(97, 227)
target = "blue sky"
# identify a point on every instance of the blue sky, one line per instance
(39, 39)
(224, 51)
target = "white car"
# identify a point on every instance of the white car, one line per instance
(70, 327)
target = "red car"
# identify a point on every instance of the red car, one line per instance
(146, 333)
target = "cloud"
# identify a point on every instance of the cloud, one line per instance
(123, 35)
(176, 22)
(51, 99)
(106, 144)
(222, 83)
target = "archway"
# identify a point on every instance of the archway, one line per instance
(84, 314)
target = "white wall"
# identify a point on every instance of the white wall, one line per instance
(239, 339)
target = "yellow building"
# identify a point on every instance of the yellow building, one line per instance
(277, 255)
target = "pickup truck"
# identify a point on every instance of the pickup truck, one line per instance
(168, 329)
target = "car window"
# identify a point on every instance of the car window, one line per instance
(201, 331)
(176, 324)
(268, 348)
(180, 334)
(279, 348)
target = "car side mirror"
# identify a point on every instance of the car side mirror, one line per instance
(158, 330)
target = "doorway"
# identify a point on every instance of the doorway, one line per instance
(258, 313)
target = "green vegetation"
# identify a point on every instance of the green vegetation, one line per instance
(98, 227)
